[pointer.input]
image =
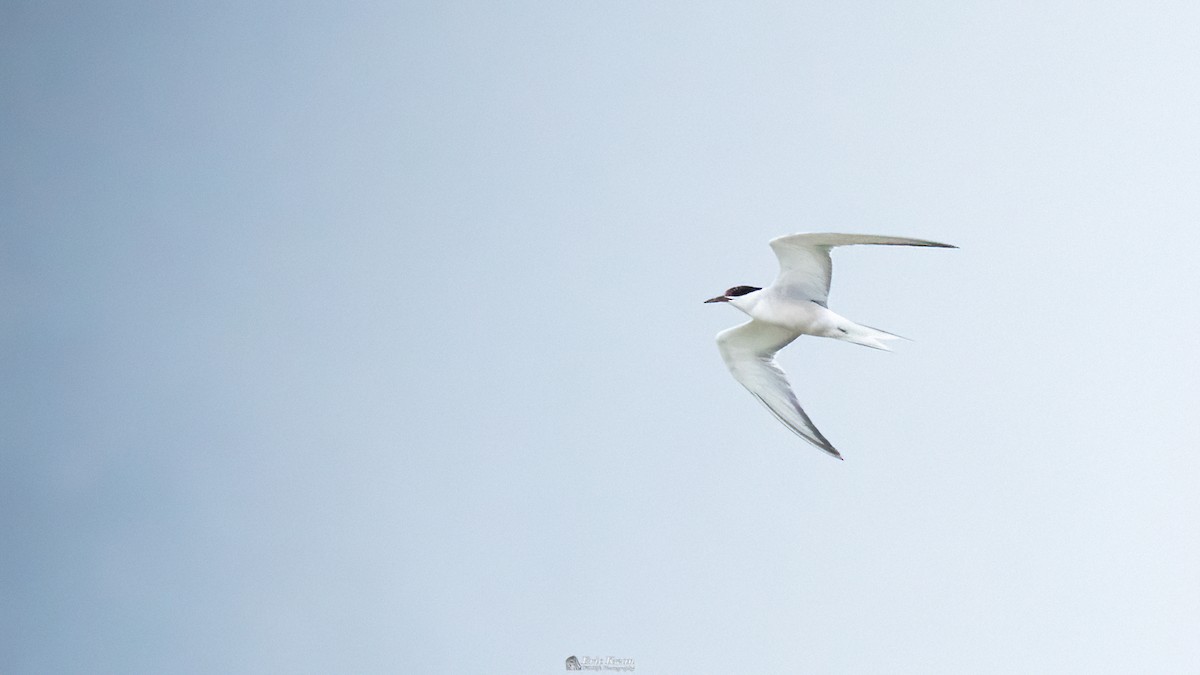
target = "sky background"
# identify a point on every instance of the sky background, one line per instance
(368, 337)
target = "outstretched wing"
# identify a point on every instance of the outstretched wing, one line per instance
(805, 269)
(749, 353)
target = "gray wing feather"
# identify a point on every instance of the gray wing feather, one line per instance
(749, 353)
(805, 269)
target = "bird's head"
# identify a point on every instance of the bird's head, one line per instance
(734, 292)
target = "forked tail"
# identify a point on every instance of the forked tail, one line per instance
(865, 335)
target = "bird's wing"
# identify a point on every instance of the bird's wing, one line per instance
(749, 352)
(805, 269)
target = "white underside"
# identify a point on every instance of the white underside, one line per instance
(805, 317)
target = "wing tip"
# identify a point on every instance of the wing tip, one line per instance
(847, 239)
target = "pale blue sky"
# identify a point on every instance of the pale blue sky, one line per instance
(368, 337)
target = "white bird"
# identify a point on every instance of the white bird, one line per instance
(794, 305)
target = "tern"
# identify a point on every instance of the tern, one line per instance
(795, 304)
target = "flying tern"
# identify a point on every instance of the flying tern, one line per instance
(794, 304)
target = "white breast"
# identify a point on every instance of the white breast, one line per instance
(802, 316)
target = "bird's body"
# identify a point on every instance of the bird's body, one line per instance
(804, 317)
(795, 304)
